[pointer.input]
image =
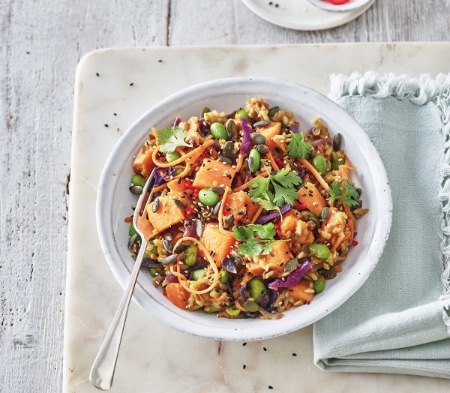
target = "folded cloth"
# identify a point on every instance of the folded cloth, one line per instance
(399, 321)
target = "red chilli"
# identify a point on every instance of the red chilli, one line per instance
(300, 206)
(354, 243)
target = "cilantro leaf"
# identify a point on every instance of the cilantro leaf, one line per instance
(276, 190)
(171, 138)
(255, 239)
(350, 196)
(298, 147)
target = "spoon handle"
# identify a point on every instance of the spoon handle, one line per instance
(102, 371)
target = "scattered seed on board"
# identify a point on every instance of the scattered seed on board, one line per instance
(155, 205)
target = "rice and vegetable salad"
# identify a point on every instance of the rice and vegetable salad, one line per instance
(249, 216)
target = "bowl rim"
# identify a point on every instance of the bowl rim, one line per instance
(103, 218)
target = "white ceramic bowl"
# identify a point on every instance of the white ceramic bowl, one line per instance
(352, 5)
(114, 202)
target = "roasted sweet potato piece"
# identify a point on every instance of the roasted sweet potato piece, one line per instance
(240, 206)
(218, 243)
(168, 213)
(214, 174)
(310, 196)
(270, 132)
(143, 163)
(298, 292)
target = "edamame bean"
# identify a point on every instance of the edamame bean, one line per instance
(218, 131)
(211, 309)
(254, 160)
(153, 271)
(198, 274)
(208, 197)
(320, 164)
(223, 276)
(138, 180)
(251, 305)
(190, 256)
(233, 312)
(242, 113)
(172, 156)
(257, 288)
(319, 250)
(319, 284)
(336, 163)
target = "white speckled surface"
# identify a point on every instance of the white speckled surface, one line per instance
(153, 357)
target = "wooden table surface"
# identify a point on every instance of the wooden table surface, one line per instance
(41, 43)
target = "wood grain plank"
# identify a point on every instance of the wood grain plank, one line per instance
(41, 44)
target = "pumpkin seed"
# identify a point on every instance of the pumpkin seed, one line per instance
(251, 305)
(168, 236)
(170, 259)
(230, 126)
(217, 208)
(198, 227)
(291, 265)
(259, 139)
(237, 258)
(254, 161)
(218, 190)
(228, 150)
(261, 123)
(228, 222)
(205, 110)
(179, 204)
(167, 245)
(273, 111)
(136, 190)
(132, 240)
(155, 205)
(324, 214)
(179, 249)
(263, 149)
(225, 160)
(337, 141)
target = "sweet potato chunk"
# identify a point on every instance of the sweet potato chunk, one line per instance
(310, 196)
(240, 206)
(270, 132)
(143, 163)
(216, 242)
(168, 213)
(279, 254)
(214, 173)
(298, 292)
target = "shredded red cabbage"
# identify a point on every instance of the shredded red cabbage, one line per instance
(322, 141)
(189, 229)
(149, 262)
(273, 215)
(247, 141)
(176, 121)
(295, 127)
(293, 278)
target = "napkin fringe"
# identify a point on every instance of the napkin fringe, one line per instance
(419, 91)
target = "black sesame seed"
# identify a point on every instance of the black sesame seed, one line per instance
(294, 354)
(160, 61)
(131, 84)
(244, 344)
(106, 125)
(27, 52)
(276, 5)
(264, 348)
(97, 74)
(115, 114)
(270, 387)
(244, 366)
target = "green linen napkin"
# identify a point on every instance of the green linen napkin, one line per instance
(399, 321)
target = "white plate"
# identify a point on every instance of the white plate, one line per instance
(352, 5)
(301, 15)
(114, 202)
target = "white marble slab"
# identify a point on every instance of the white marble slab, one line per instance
(153, 357)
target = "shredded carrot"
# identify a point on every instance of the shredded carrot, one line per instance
(316, 174)
(239, 162)
(182, 279)
(220, 215)
(257, 214)
(338, 242)
(246, 185)
(272, 161)
(239, 306)
(280, 142)
(350, 223)
(194, 152)
(338, 268)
